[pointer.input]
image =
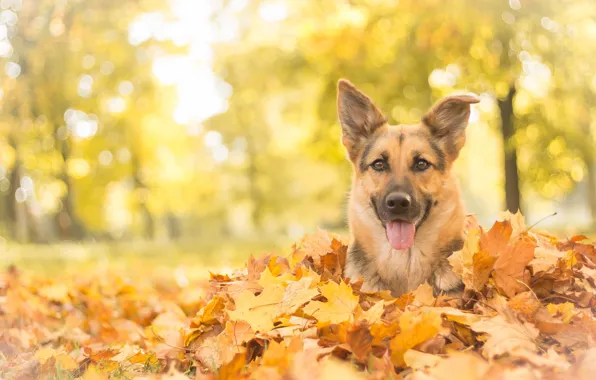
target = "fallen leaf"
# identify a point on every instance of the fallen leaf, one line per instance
(297, 294)
(360, 341)
(482, 265)
(259, 311)
(419, 360)
(496, 239)
(511, 264)
(415, 328)
(467, 366)
(340, 304)
(506, 337)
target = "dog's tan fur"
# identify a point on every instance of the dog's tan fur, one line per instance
(437, 139)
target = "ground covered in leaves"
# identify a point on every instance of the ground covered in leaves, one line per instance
(528, 312)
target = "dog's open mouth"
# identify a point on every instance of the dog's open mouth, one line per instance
(400, 234)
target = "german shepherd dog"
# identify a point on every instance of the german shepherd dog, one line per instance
(405, 210)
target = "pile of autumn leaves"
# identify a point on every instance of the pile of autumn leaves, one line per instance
(527, 312)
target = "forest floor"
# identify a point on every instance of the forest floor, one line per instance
(213, 312)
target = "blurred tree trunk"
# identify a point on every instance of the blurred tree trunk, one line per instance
(17, 210)
(252, 173)
(173, 226)
(512, 192)
(69, 224)
(591, 179)
(590, 159)
(140, 190)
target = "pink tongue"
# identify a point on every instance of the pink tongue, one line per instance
(400, 234)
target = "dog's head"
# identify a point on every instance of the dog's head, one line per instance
(402, 171)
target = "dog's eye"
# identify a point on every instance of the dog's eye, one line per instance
(421, 165)
(379, 165)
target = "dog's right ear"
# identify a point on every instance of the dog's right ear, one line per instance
(358, 115)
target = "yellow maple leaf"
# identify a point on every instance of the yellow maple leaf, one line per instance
(372, 315)
(297, 294)
(64, 361)
(280, 355)
(462, 261)
(268, 278)
(423, 295)
(208, 314)
(56, 292)
(416, 327)
(144, 358)
(44, 354)
(339, 306)
(302, 272)
(565, 310)
(258, 311)
(92, 373)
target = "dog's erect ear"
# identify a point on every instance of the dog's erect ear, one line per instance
(358, 115)
(447, 121)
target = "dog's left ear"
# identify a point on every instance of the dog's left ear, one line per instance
(447, 121)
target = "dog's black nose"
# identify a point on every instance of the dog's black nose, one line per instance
(398, 202)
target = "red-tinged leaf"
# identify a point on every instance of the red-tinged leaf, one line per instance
(219, 277)
(578, 238)
(511, 265)
(360, 341)
(496, 239)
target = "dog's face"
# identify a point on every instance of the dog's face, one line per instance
(401, 171)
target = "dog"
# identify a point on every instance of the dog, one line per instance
(405, 212)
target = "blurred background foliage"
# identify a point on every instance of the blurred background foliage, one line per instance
(194, 120)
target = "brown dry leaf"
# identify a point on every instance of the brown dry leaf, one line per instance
(511, 264)
(505, 337)
(360, 341)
